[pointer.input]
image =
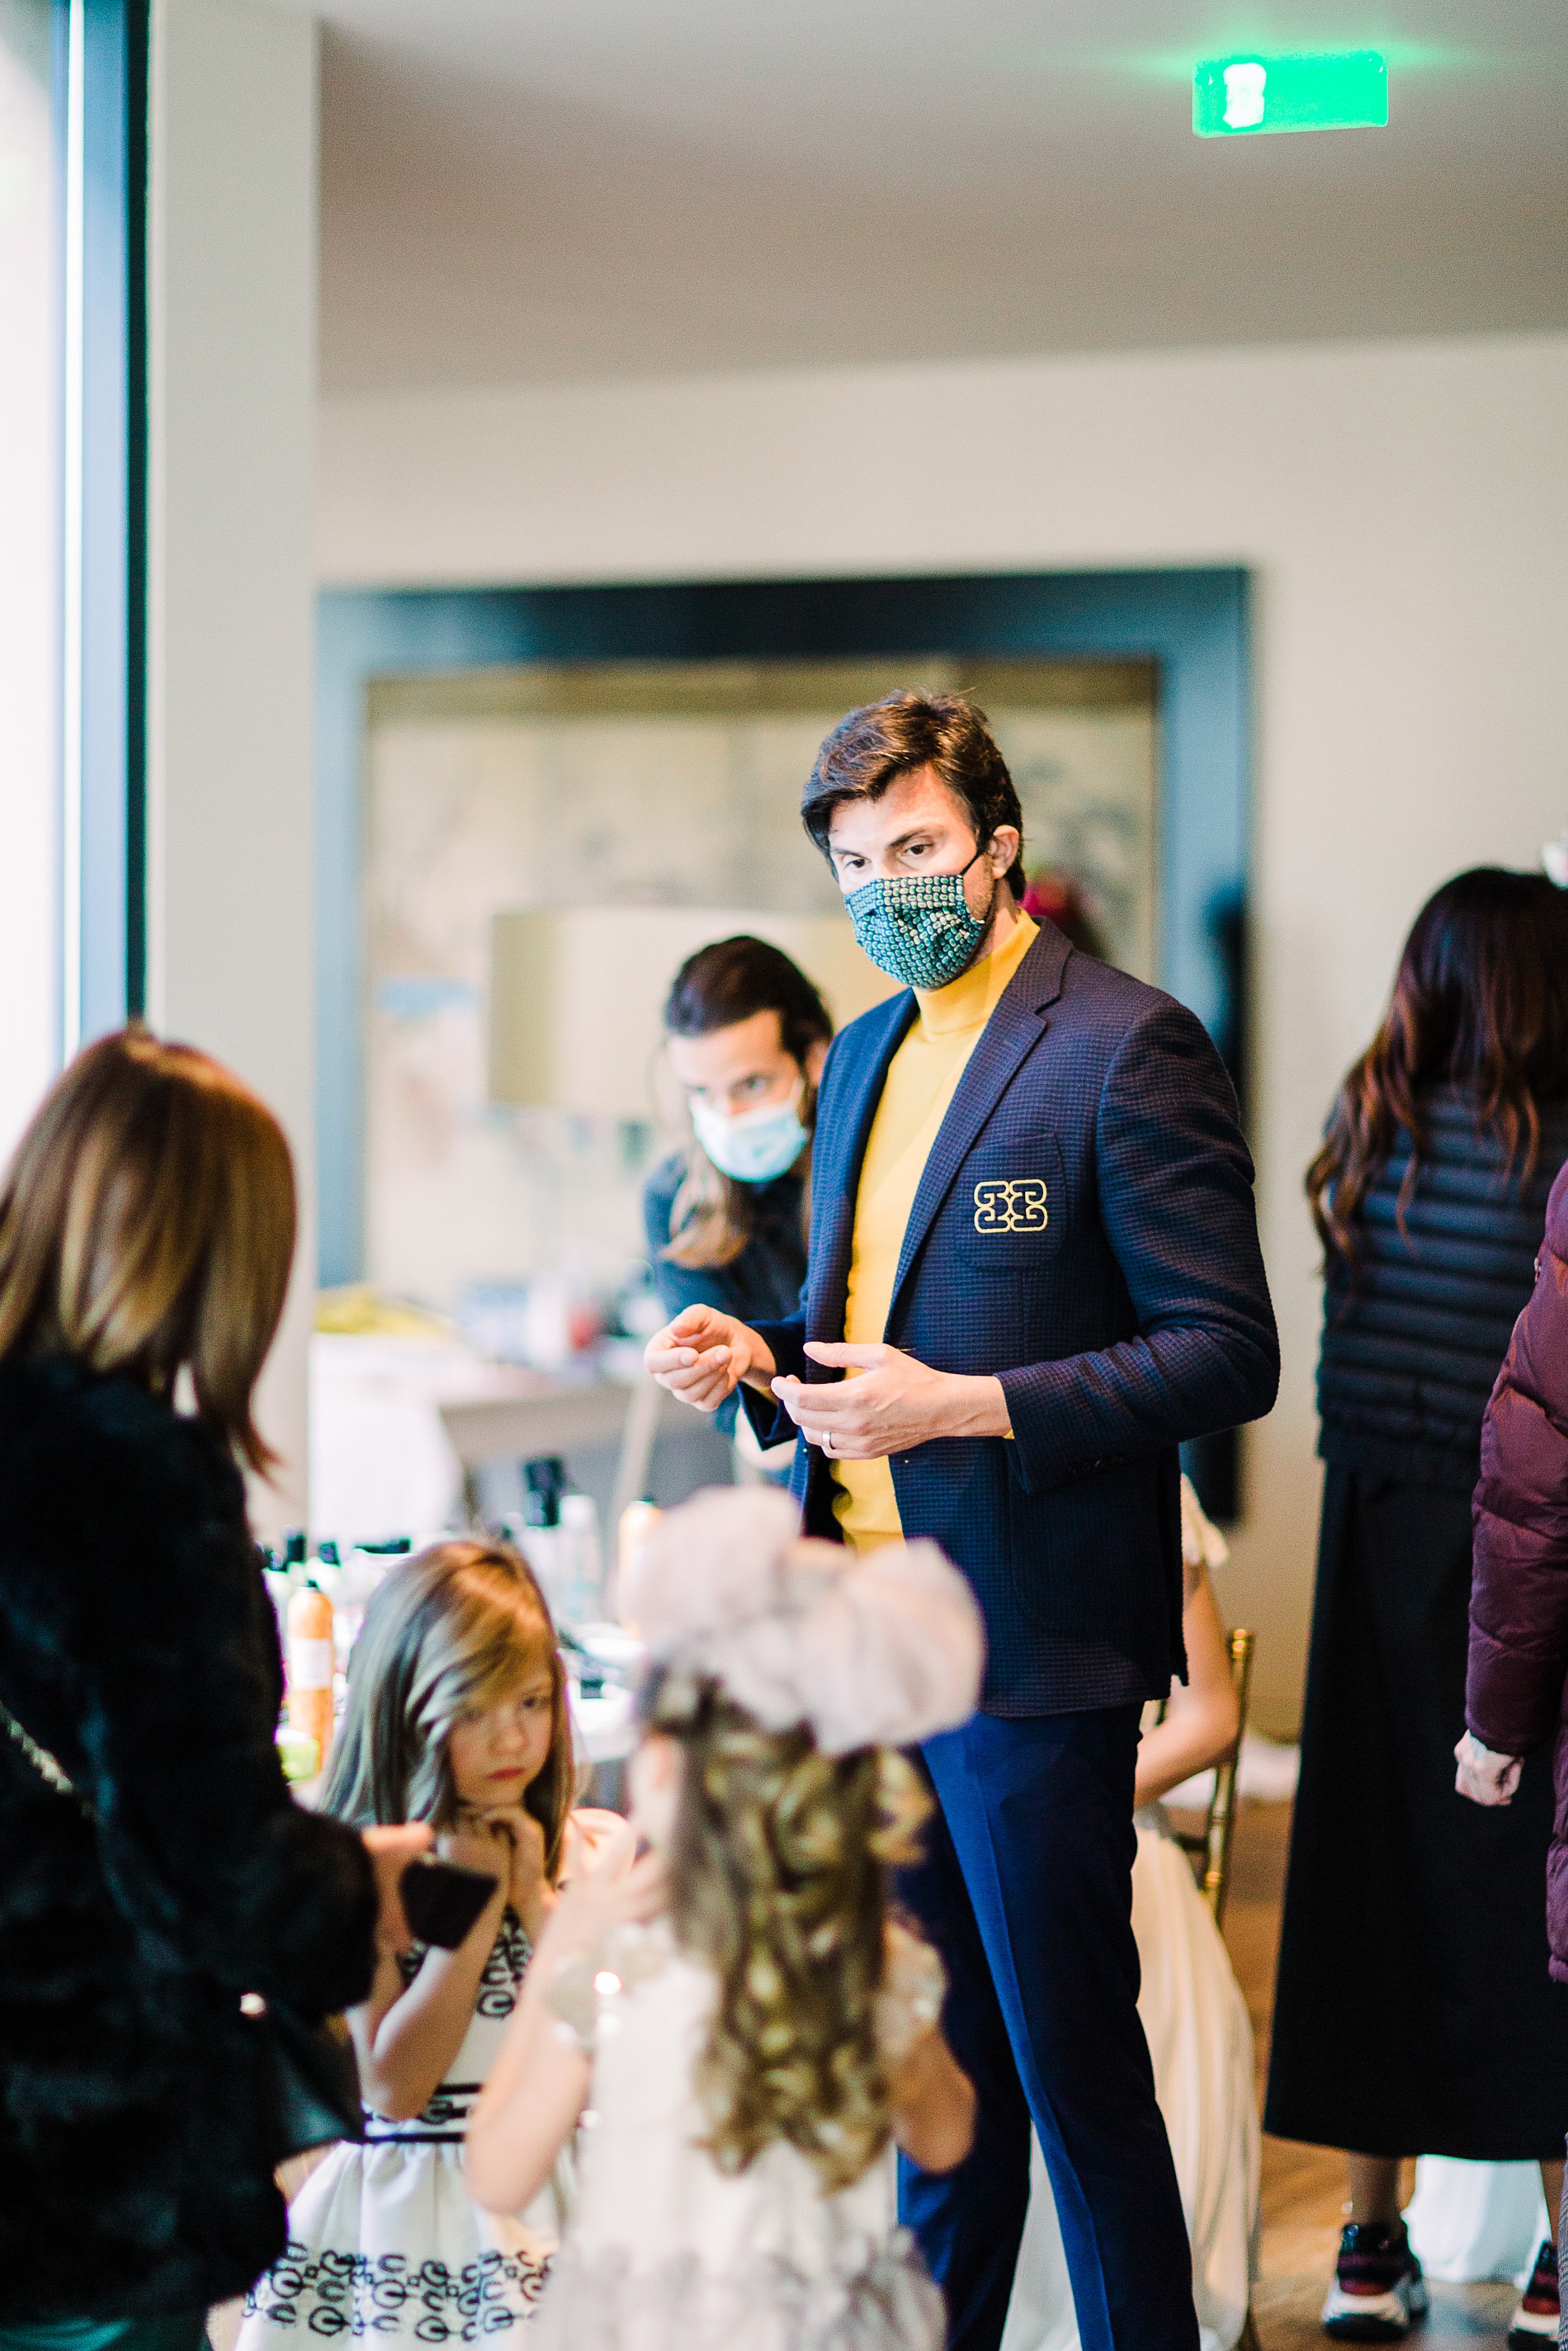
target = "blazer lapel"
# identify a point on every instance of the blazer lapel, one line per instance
(1009, 1036)
(835, 1171)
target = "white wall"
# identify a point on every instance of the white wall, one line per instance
(1404, 509)
(233, 371)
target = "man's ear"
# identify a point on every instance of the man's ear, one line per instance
(1003, 849)
(815, 1061)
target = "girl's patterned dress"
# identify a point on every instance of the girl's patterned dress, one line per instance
(384, 2240)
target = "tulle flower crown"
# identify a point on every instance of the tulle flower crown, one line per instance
(879, 1648)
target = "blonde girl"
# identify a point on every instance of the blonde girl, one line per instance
(736, 2011)
(457, 1715)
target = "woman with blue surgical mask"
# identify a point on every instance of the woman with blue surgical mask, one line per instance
(745, 1035)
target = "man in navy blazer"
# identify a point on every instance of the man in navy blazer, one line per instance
(1078, 1290)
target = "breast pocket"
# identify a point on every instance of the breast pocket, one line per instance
(1010, 1207)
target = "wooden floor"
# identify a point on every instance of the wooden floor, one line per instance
(1303, 2186)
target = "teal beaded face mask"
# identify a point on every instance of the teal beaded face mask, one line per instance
(918, 927)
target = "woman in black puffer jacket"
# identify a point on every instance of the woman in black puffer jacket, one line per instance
(146, 1229)
(1413, 2013)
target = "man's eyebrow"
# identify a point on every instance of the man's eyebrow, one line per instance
(900, 840)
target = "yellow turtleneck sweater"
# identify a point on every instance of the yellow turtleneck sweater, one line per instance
(922, 1079)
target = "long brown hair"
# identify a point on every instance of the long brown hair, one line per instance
(779, 1882)
(453, 1628)
(1481, 1003)
(730, 981)
(147, 1226)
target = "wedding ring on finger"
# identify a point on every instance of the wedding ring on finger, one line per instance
(828, 1442)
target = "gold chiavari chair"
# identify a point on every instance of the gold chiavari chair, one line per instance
(1209, 1847)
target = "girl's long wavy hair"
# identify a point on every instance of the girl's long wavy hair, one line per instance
(1481, 1003)
(728, 982)
(779, 1882)
(451, 1631)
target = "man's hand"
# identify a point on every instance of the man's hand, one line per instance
(1483, 1777)
(703, 1356)
(893, 1404)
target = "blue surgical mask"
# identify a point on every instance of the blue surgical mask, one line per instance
(918, 927)
(756, 1147)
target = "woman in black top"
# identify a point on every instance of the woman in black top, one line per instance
(146, 1230)
(1413, 2013)
(746, 1034)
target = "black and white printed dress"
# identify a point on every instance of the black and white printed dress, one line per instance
(384, 2240)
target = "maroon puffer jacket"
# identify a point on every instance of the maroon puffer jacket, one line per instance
(1516, 1694)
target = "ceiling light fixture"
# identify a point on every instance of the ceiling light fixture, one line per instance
(1346, 90)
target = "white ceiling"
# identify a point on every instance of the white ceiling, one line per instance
(536, 190)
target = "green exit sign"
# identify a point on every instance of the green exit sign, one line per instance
(1235, 97)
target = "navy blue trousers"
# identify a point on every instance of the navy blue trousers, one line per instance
(1026, 1891)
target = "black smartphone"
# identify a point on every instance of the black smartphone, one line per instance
(441, 1900)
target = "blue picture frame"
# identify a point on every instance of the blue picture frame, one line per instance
(1193, 622)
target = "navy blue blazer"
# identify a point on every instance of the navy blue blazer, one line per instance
(1083, 1230)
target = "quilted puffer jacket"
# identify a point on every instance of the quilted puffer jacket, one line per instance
(1414, 1334)
(1517, 1692)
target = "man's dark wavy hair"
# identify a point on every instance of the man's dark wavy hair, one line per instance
(870, 747)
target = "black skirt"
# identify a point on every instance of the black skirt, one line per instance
(1414, 2015)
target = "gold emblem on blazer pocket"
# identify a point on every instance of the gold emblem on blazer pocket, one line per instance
(1015, 1205)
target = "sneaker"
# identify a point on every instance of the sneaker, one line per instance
(1378, 2293)
(1535, 2320)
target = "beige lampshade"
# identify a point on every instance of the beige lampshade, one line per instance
(576, 994)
